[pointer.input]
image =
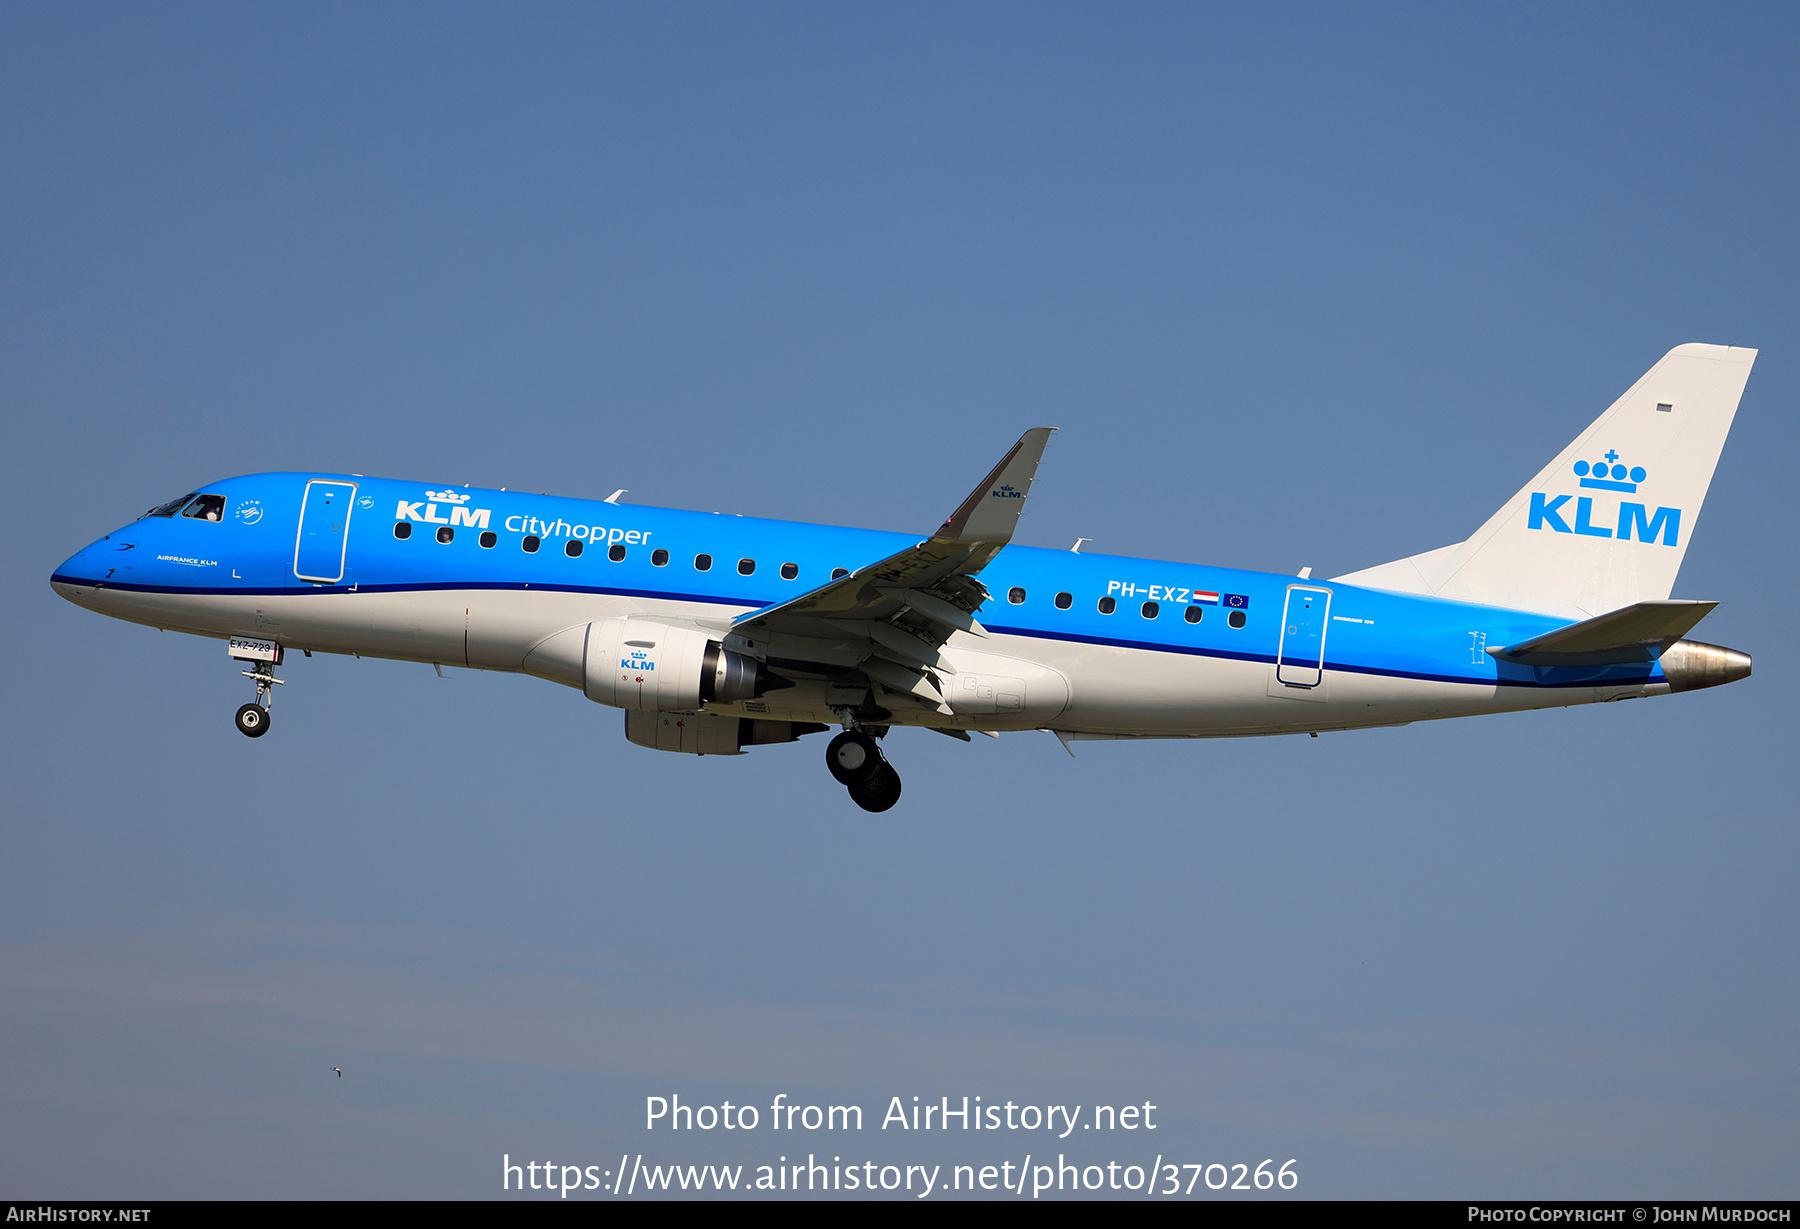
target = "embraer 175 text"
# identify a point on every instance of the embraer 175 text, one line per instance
(717, 633)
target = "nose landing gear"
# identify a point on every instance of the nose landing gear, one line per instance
(854, 759)
(253, 719)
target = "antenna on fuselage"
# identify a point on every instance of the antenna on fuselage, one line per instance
(614, 497)
(1076, 549)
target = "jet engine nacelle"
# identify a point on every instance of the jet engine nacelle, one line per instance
(642, 664)
(710, 733)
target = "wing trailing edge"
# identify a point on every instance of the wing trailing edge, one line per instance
(893, 616)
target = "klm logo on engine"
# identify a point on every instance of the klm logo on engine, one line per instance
(639, 661)
(1634, 519)
(474, 518)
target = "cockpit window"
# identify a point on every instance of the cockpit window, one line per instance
(206, 508)
(170, 508)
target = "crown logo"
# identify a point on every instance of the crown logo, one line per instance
(1006, 491)
(1610, 474)
(447, 496)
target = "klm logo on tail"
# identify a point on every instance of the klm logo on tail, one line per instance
(1634, 519)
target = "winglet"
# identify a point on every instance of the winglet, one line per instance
(991, 512)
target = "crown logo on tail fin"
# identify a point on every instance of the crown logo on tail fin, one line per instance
(1610, 474)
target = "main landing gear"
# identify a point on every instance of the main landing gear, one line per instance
(856, 761)
(253, 719)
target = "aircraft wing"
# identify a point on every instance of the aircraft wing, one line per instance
(1632, 633)
(890, 619)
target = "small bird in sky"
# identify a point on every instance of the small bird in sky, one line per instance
(340, 1072)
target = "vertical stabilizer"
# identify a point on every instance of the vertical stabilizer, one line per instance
(1607, 523)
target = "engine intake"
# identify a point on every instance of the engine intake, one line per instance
(649, 666)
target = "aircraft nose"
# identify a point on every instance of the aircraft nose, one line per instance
(75, 565)
(80, 574)
(1690, 665)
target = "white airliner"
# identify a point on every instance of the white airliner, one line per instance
(718, 633)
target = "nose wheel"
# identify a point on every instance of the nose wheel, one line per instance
(253, 720)
(854, 759)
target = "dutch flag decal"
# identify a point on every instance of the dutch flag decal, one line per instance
(1211, 599)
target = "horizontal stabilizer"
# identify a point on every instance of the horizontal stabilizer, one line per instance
(1633, 633)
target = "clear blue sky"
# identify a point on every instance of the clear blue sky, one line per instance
(1302, 286)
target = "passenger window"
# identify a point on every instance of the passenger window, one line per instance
(702, 563)
(789, 571)
(530, 544)
(659, 558)
(488, 538)
(1192, 614)
(616, 552)
(1015, 595)
(1235, 618)
(206, 508)
(1151, 610)
(839, 573)
(403, 530)
(746, 567)
(1107, 605)
(1064, 600)
(170, 508)
(445, 533)
(573, 548)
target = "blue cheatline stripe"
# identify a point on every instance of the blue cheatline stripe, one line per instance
(308, 588)
(1340, 667)
(1029, 633)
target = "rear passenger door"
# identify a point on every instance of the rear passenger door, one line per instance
(1300, 661)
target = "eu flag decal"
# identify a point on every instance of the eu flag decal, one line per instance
(1237, 601)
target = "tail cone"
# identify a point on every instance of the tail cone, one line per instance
(1690, 665)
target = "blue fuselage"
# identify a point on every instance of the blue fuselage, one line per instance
(472, 540)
